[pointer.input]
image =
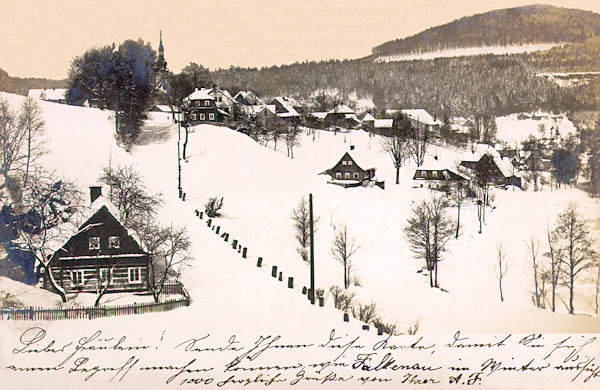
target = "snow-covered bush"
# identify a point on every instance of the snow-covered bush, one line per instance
(213, 206)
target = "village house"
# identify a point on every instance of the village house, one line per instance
(341, 116)
(533, 162)
(247, 98)
(265, 116)
(419, 117)
(500, 170)
(348, 173)
(284, 108)
(438, 177)
(200, 107)
(55, 95)
(100, 252)
(368, 122)
(223, 99)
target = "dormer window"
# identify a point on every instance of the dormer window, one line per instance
(94, 243)
(114, 242)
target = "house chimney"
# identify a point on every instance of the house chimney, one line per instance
(351, 147)
(95, 193)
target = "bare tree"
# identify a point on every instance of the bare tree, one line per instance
(342, 250)
(419, 139)
(398, 148)
(458, 193)
(32, 123)
(572, 233)
(12, 138)
(553, 270)
(301, 218)
(104, 281)
(534, 248)
(501, 269)
(342, 300)
(428, 230)
(292, 139)
(48, 204)
(365, 313)
(129, 194)
(167, 261)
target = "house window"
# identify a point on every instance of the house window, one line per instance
(105, 275)
(206, 103)
(114, 242)
(135, 274)
(349, 163)
(211, 116)
(347, 175)
(94, 243)
(202, 117)
(343, 162)
(356, 175)
(434, 173)
(194, 117)
(338, 175)
(77, 278)
(219, 99)
(198, 103)
(366, 175)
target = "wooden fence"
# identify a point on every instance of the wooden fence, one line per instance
(33, 313)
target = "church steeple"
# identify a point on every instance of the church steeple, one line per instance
(161, 64)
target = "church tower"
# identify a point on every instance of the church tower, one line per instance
(161, 72)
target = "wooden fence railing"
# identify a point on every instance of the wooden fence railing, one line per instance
(33, 313)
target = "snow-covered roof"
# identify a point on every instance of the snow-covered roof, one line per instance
(318, 115)
(287, 105)
(352, 116)
(224, 92)
(249, 96)
(48, 94)
(83, 215)
(200, 94)
(383, 123)
(257, 109)
(341, 109)
(362, 157)
(421, 115)
(161, 107)
(368, 118)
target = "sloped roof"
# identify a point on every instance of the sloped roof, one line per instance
(200, 94)
(51, 93)
(248, 96)
(319, 115)
(83, 215)
(362, 158)
(421, 115)
(341, 109)
(257, 109)
(383, 123)
(368, 118)
(287, 105)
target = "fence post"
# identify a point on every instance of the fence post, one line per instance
(244, 251)
(346, 317)
(321, 302)
(234, 244)
(201, 214)
(217, 229)
(304, 290)
(290, 282)
(197, 212)
(365, 327)
(280, 276)
(208, 222)
(259, 262)
(31, 313)
(274, 271)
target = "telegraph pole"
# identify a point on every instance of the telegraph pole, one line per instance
(312, 251)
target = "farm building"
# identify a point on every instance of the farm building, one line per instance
(500, 171)
(436, 176)
(101, 251)
(348, 173)
(200, 107)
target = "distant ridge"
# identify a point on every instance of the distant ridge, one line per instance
(512, 26)
(22, 86)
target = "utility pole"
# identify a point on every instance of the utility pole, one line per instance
(312, 251)
(178, 170)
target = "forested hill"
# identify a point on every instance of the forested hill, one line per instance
(513, 26)
(22, 86)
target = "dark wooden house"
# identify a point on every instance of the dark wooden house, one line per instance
(200, 107)
(437, 177)
(100, 252)
(348, 173)
(500, 171)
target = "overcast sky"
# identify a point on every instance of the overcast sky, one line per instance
(40, 38)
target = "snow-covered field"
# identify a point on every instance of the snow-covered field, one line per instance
(261, 187)
(469, 51)
(515, 128)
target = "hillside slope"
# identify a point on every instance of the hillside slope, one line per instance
(513, 26)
